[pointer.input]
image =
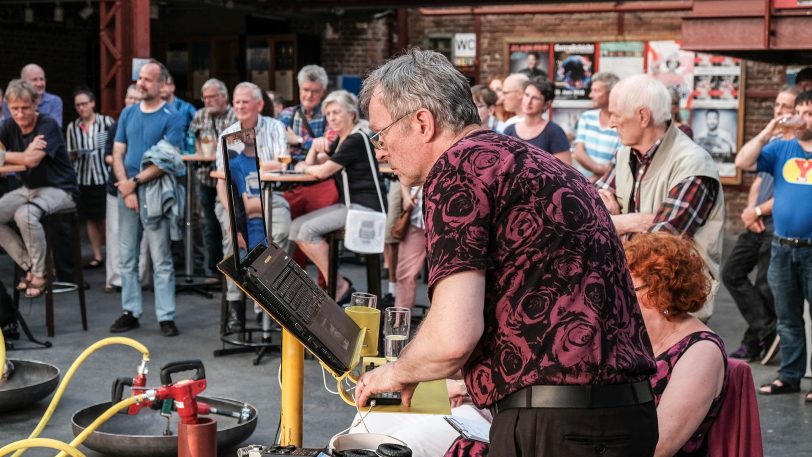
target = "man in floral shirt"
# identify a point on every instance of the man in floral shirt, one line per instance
(531, 296)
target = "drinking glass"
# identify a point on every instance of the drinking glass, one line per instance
(790, 124)
(285, 158)
(364, 299)
(396, 331)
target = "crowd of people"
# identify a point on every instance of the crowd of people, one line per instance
(556, 262)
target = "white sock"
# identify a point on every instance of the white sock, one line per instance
(393, 289)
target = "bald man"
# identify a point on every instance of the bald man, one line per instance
(512, 92)
(49, 104)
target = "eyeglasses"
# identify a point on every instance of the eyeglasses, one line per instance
(374, 139)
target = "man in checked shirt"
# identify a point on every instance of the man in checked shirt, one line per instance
(662, 180)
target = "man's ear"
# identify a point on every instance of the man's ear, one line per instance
(644, 115)
(424, 121)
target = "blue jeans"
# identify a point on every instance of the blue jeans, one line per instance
(160, 250)
(790, 278)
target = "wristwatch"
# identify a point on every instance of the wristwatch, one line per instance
(135, 180)
(757, 209)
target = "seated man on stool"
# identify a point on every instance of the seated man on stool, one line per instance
(49, 185)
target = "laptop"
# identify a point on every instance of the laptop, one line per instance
(282, 289)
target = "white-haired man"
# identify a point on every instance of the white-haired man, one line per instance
(522, 258)
(49, 103)
(661, 179)
(270, 143)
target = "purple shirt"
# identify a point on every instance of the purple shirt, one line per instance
(560, 306)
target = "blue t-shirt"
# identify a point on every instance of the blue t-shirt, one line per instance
(551, 139)
(244, 175)
(141, 131)
(791, 167)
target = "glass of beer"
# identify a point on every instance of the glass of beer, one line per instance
(285, 159)
(790, 124)
(396, 331)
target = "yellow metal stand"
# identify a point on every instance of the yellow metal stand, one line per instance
(292, 390)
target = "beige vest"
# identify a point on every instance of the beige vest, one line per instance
(678, 158)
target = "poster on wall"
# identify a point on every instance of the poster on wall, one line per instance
(673, 67)
(532, 59)
(623, 58)
(574, 65)
(716, 130)
(716, 81)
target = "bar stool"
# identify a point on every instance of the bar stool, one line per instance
(373, 262)
(50, 223)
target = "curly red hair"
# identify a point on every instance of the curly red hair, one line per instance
(672, 271)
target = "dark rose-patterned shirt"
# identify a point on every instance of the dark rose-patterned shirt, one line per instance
(560, 306)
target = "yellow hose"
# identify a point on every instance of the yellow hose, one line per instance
(72, 370)
(104, 417)
(41, 442)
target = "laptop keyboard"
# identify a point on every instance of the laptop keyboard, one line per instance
(302, 299)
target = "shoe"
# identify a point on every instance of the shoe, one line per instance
(746, 353)
(387, 301)
(235, 322)
(168, 328)
(93, 264)
(125, 323)
(774, 388)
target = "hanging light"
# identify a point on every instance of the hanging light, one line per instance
(29, 13)
(86, 11)
(59, 13)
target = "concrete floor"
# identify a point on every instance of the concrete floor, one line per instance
(786, 421)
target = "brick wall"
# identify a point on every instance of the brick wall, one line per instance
(355, 45)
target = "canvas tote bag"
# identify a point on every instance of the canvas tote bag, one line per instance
(364, 230)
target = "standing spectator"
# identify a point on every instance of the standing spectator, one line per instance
(35, 140)
(804, 79)
(596, 142)
(412, 250)
(141, 127)
(86, 139)
(49, 103)
(208, 123)
(533, 128)
(512, 94)
(187, 111)
(752, 250)
(791, 258)
(305, 131)
(530, 294)
(113, 267)
(278, 102)
(270, 144)
(681, 193)
(485, 101)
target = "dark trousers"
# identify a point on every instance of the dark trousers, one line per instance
(628, 431)
(754, 300)
(212, 235)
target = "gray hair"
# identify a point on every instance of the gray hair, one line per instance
(794, 90)
(423, 79)
(163, 76)
(21, 89)
(312, 74)
(644, 91)
(346, 100)
(609, 80)
(214, 82)
(256, 92)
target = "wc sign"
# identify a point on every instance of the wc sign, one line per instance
(464, 45)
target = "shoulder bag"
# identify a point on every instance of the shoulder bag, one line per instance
(364, 229)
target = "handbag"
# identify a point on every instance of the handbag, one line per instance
(401, 225)
(364, 229)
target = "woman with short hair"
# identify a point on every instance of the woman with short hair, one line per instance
(671, 282)
(533, 128)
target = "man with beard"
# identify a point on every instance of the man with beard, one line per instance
(526, 273)
(661, 180)
(791, 261)
(717, 142)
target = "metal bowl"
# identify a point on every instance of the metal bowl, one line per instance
(142, 435)
(30, 382)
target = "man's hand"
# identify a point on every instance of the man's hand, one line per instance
(610, 201)
(457, 393)
(291, 137)
(633, 222)
(126, 187)
(379, 380)
(749, 216)
(757, 226)
(37, 144)
(131, 201)
(299, 167)
(771, 129)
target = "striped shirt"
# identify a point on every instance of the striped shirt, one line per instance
(270, 140)
(601, 144)
(87, 145)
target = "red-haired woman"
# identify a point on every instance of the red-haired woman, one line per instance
(690, 384)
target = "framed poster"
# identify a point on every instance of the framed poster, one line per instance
(716, 130)
(673, 67)
(623, 58)
(716, 82)
(529, 58)
(574, 66)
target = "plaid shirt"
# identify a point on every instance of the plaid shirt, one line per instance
(203, 120)
(687, 206)
(292, 118)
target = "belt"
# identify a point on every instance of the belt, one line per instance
(583, 397)
(792, 242)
